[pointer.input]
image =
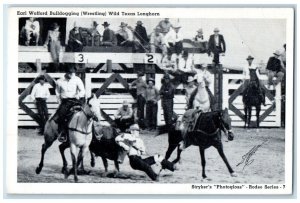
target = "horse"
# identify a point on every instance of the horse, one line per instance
(253, 95)
(80, 132)
(200, 98)
(205, 133)
(51, 132)
(103, 144)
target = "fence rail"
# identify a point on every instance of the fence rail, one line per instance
(115, 92)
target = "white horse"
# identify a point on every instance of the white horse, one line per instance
(201, 100)
(80, 132)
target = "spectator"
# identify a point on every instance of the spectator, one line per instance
(40, 93)
(167, 92)
(201, 41)
(125, 37)
(53, 40)
(141, 33)
(164, 26)
(141, 86)
(274, 70)
(283, 57)
(169, 64)
(75, 42)
(32, 30)
(134, 146)
(152, 97)
(185, 68)
(157, 42)
(109, 38)
(216, 45)
(124, 117)
(95, 35)
(189, 89)
(174, 39)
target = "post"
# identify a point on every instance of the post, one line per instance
(109, 66)
(38, 66)
(218, 86)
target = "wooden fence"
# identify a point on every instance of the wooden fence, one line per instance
(112, 89)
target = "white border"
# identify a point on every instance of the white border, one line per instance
(55, 188)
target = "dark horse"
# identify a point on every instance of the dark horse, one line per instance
(103, 144)
(253, 95)
(205, 134)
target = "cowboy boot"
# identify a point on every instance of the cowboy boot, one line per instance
(62, 130)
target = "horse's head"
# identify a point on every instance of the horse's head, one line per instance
(225, 122)
(92, 108)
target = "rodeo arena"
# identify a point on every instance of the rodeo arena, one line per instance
(151, 100)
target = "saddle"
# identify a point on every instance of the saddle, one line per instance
(189, 120)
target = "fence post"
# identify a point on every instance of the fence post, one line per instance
(109, 66)
(218, 86)
(38, 66)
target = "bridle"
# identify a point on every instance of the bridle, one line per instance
(89, 119)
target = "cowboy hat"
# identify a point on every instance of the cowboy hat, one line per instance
(105, 24)
(125, 103)
(55, 25)
(150, 79)
(190, 79)
(176, 26)
(70, 69)
(123, 24)
(95, 23)
(41, 77)
(250, 58)
(139, 22)
(200, 30)
(134, 127)
(277, 53)
(216, 30)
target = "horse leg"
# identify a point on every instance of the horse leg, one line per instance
(203, 162)
(221, 153)
(257, 115)
(249, 115)
(105, 164)
(246, 115)
(73, 150)
(45, 146)
(117, 165)
(92, 159)
(170, 150)
(62, 147)
(80, 163)
(178, 155)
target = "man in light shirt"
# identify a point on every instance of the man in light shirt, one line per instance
(185, 68)
(125, 37)
(32, 29)
(69, 91)
(157, 42)
(174, 39)
(165, 26)
(169, 64)
(40, 93)
(124, 116)
(133, 145)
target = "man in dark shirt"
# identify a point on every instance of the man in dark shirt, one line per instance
(75, 42)
(216, 45)
(109, 38)
(274, 69)
(141, 33)
(167, 92)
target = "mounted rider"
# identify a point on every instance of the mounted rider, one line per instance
(246, 77)
(70, 92)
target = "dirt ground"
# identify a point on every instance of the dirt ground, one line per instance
(267, 166)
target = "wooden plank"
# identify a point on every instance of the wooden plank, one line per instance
(105, 85)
